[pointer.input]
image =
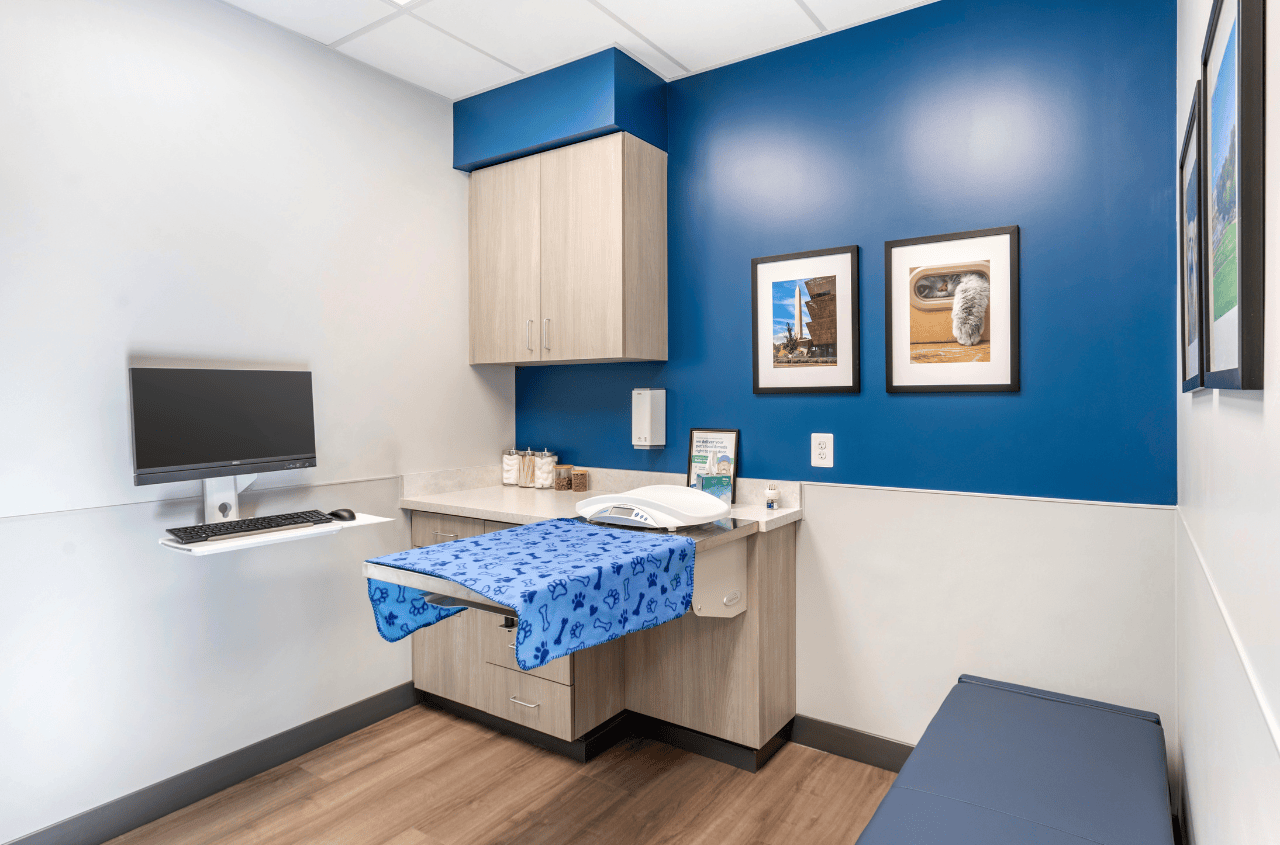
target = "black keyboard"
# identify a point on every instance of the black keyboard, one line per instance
(245, 527)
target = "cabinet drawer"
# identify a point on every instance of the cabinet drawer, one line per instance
(533, 702)
(432, 528)
(490, 525)
(497, 646)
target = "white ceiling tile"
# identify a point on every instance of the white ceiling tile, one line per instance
(410, 49)
(324, 20)
(538, 34)
(705, 33)
(838, 14)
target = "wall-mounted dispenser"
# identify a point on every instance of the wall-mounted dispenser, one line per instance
(648, 418)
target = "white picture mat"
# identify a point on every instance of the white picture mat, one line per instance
(839, 265)
(993, 248)
(1224, 349)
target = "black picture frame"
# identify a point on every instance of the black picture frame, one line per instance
(1015, 380)
(855, 343)
(1192, 151)
(737, 449)
(1250, 193)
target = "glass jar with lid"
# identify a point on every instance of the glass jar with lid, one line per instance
(544, 469)
(511, 467)
(564, 477)
(526, 468)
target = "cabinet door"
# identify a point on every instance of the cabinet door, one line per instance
(505, 319)
(581, 204)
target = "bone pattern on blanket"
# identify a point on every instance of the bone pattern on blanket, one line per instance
(570, 585)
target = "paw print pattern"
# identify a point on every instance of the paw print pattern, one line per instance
(571, 585)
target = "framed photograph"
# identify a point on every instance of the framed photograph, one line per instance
(804, 322)
(951, 312)
(1234, 114)
(1190, 258)
(713, 461)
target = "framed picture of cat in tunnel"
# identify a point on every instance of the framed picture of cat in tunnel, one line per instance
(951, 312)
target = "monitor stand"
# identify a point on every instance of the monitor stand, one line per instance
(222, 497)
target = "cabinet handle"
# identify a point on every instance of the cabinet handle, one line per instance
(511, 645)
(440, 534)
(521, 703)
(546, 333)
(528, 335)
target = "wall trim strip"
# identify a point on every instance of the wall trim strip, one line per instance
(136, 809)
(1268, 713)
(992, 496)
(852, 744)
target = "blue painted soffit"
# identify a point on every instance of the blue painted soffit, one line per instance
(602, 93)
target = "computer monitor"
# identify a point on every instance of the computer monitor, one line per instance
(193, 424)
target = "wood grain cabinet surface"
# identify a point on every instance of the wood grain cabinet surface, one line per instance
(468, 658)
(730, 678)
(568, 257)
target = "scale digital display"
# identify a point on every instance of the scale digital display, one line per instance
(620, 511)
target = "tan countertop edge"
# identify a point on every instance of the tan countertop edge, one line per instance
(521, 506)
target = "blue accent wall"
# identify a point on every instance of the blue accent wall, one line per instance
(605, 92)
(958, 115)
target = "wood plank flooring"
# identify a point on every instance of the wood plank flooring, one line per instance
(423, 777)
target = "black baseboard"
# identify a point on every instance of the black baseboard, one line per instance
(622, 726)
(739, 756)
(131, 811)
(853, 744)
(591, 745)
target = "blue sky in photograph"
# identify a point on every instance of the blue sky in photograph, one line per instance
(784, 307)
(1223, 113)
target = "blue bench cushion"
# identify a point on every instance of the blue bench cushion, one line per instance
(1064, 768)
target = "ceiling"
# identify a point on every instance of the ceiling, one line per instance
(461, 47)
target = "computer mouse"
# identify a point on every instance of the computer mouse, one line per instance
(343, 514)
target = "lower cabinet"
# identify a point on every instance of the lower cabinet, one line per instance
(470, 658)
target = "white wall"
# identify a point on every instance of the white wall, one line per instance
(1228, 472)
(899, 592)
(182, 182)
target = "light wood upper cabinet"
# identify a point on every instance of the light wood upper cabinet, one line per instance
(569, 255)
(505, 244)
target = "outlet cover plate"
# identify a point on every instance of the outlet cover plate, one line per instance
(821, 450)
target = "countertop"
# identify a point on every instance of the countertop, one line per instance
(523, 505)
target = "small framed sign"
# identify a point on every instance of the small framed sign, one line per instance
(804, 322)
(713, 461)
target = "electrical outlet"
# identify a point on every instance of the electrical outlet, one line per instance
(821, 449)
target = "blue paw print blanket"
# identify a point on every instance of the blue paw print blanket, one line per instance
(570, 585)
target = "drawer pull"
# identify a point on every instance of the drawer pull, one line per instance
(511, 645)
(442, 534)
(521, 703)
